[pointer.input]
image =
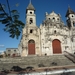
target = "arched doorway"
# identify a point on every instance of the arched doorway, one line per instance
(56, 44)
(31, 47)
(13, 55)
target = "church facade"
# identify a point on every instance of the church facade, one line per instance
(52, 37)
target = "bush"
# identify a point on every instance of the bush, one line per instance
(41, 65)
(1, 56)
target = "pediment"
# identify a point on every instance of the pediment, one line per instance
(53, 14)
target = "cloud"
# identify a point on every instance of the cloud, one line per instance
(2, 51)
(2, 46)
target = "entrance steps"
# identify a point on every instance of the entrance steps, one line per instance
(35, 61)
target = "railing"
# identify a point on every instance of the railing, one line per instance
(69, 56)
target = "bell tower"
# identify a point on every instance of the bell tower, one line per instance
(30, 34)
(70, 17)
(30, 15)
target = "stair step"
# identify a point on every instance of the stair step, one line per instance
(35, 61)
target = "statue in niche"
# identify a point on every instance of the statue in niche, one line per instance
(65, 37)
(49, 39)
(63, 40)
(66, 48)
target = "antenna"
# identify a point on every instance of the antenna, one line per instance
(30, 1)
(68, 6)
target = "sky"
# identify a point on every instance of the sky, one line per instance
(41, 6)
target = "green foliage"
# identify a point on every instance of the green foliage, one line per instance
(0, 8)
(2, 15)
(41, 65)
(12, 23)
(1, 56)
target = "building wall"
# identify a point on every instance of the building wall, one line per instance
(35, 35)
(12, 52)
(52, 28)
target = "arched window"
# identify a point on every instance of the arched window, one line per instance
(58, 19)
(54, 31)
(31, 31)
(31, 20)
(53, 19)
(72, 16)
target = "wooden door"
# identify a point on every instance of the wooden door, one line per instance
(56, 44)
(31, 47)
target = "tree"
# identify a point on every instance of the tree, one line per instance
(11, 21)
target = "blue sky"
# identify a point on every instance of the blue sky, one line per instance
(41, 6)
